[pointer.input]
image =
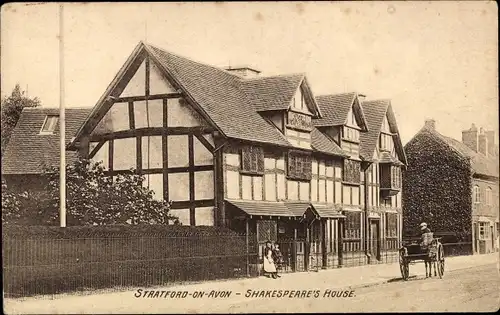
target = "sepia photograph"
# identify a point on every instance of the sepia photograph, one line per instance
(250, 157)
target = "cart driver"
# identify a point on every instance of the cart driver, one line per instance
(424, 235)
(424, 229)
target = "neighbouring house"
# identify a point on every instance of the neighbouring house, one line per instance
(321, 176)
(34, 146)
(453, 186)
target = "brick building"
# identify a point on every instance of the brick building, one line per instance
(453, 186)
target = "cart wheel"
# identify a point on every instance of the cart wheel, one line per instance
(404, 265)
(440, 261)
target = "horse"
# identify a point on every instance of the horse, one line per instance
(430, 259)
(429, 246)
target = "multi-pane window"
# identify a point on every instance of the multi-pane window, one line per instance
(391, 225)
(299, 166)
(252, 159)
(396, 177)
(352, 170)
(483, 231)
(477, 194)
(353, 225)
(489, 196)
(386, 143)
(351, 134)
(49, 125)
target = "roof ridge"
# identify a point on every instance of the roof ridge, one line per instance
(381, 100)
(46, 107)
(192, 60)
(296, 74)
(337, 94)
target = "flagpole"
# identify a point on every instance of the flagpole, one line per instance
(62, 123)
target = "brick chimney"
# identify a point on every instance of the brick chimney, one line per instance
(430, 124)
(470, 138)
(490, 136)
(244, 71)
(482, 142)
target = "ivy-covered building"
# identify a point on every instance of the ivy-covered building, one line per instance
(453, 186)
(320, 175)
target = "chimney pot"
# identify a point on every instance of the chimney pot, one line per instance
(430, 123)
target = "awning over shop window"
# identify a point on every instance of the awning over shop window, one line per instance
(264, 208)
(325, 211)
(297, 208)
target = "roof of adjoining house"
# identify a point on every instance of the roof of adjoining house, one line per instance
(29, 152)
(375, 111)
(480, 163)
(321, 143)
(272, 93)
(334, 108)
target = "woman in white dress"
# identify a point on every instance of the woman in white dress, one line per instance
(269, 266)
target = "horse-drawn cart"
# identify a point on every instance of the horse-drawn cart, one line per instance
(414, 251)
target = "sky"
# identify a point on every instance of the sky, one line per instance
(433, 60)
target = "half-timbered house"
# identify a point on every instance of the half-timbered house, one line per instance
(259, 154)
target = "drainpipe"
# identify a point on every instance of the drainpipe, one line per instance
(367, 227)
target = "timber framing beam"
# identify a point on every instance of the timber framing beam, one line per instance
(96, 149)
(127, 99)
(205, 142)
(170, 170)
(187, 204)
(152, 131)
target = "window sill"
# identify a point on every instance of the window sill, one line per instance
(351, 140)
(351, 183)
(299, 179)
(242, 172)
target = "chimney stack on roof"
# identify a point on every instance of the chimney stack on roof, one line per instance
(470, 137)
(430, 124)
(244, 71)
(481, 140)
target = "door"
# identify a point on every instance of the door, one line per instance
(374, 239)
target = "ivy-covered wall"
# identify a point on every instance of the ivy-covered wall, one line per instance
(437, 188)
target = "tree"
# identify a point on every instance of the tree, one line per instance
(11, 109)
(93, 198)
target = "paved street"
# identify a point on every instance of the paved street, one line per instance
(467, 290)
(471, 283)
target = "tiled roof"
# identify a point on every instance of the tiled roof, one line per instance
(334, 108)
(298, 208)
(375, 111)
(321, 143)
(328, 211)
(28, 152)
(386, 157)
(272, 93)
(221, 96)
(480, 163)
(268, 208)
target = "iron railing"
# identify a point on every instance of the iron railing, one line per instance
(48, 266)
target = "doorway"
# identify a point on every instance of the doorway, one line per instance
(374, 239)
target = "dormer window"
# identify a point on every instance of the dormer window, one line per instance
(49, 125)
(351, 128)
(350, 134)
(386, 143)
(299, 102)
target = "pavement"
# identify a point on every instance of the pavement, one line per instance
(230, 292)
